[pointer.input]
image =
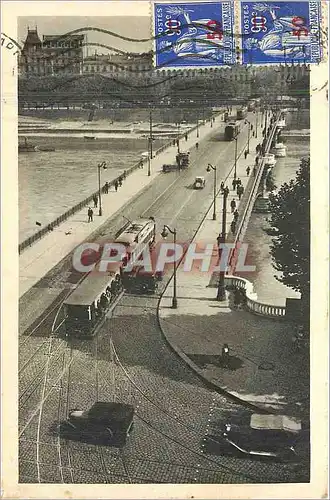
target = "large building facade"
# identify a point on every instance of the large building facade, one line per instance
(61, 55)
(52, 55)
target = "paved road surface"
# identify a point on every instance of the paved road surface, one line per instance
(128, 361)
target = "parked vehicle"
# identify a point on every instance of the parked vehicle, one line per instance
(258, 436)
(199, 183)
(104, 423)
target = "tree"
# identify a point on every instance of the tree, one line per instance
(290, 227)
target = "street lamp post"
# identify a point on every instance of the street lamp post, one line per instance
(221, 293)
(257, 124)
(249, 132)
(100, 165)
(164, 234)
(208, 169)
(235, 167)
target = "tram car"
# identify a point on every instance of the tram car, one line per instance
(231, 131)
(85, 308)
(136, 236)
(241, 113)
(143, 280)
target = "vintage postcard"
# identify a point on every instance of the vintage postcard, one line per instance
(164, 170)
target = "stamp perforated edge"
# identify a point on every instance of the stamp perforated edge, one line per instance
(238, 40)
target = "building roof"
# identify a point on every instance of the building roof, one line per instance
(62, 37)
(32, 38)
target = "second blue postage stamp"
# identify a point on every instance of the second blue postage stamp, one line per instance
(275, 32)
(194, 34)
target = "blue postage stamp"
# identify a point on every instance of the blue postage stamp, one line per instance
(194, 34)
(276, 32)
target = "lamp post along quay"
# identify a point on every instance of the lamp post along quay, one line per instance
(208, 169)
(249, 133)
(221, 293)
(235, 165)
(150, 145)
(164, 235)
(100, 165)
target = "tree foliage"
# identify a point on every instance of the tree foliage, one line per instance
(290, 227)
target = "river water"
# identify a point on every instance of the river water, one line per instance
(267, 287)
(50, 183)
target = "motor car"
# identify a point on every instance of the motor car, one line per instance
(257, 436)
(106, 423)
(199, 183)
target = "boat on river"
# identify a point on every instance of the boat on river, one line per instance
(279, 150)
(89, 137)
(26, 147)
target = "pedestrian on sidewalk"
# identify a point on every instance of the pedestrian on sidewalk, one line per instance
(238, 182)
(236, 215)
(116, 185)
(233, 227)
(257, 160)
(254, 171)
(232, 206)
(106, 187)
(90, 214)
(141, 164)
(245, 154)
(234, 184)
(226, 191)
(225, 355)
(240, 191)
(253, 134)
(124, 174)
(120, 182)
(95, 200)
(186, 137)
(196, 145)
(222, 186)
(248, 171)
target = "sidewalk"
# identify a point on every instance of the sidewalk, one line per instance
(37, 260)
(264, 369)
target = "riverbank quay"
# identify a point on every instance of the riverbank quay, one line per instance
(265, 369)
(45, 253)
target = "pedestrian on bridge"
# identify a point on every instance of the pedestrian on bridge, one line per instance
(233, 227)
(116, 185)
(248, 171)
(240, 191)
(95, 200)
(234, 184)
(245, 154)
(257, 160)
(120, 181)
(232, 206)
(236, 215)
(106, 187)
(90, 214)
(226, 191)
(238, 182)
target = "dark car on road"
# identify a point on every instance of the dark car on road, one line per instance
(257, 436)
(104, 423)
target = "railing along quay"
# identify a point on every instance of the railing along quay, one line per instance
(79, 206)
(252, 303)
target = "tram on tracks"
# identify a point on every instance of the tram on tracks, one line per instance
(85, 308)
(87, 305)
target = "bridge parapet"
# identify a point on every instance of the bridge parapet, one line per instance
(252, 303)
